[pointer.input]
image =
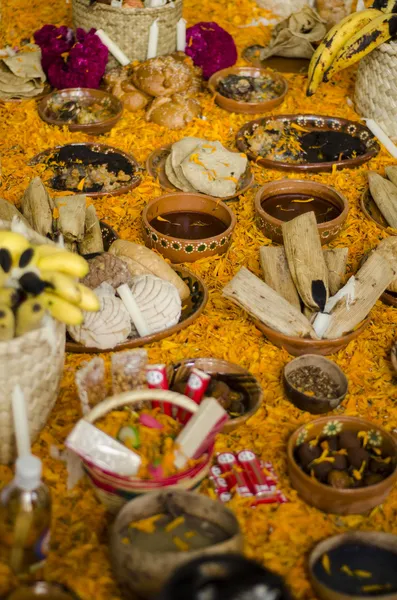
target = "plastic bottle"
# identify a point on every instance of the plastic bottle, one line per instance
(25, 517)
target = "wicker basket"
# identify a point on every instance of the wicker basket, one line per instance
(376, 87)
(35, 362)
(129, 27)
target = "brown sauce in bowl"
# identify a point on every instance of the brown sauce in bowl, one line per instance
(188, 225)
(286, 207)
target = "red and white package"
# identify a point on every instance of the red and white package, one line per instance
(252, 467)
(156, 376)
(196, 387)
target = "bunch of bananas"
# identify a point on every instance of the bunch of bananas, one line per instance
(35, 280)
(352, 39)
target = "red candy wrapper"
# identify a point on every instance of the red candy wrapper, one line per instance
(195, 389)
(252, 467)
(156, 377)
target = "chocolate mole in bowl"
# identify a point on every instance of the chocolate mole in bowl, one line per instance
(286, 207)
(188, 225)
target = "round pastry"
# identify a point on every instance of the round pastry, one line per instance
(162, 76)
(132, 98)
(175, 112)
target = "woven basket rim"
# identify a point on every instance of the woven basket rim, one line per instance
(131, 10)
(27, 337)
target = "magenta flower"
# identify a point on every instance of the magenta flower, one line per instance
(210, 47)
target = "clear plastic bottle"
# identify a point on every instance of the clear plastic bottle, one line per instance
(25, 518)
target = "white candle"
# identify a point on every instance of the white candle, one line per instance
(154, 3)
(382, 137)
(181, 35)
(113, 48)
(360, 5)
(21, 423)
(153, 40)
(129, 302)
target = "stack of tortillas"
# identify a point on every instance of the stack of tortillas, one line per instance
(196, 165)
(21, 76)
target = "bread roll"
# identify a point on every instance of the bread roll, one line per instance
(175, 112)
(162, 76)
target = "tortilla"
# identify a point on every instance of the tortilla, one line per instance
(169, 171)
(179, 151)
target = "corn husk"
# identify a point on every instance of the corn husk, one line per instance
(71, 217)
(266, 305)
(92, 241)
(37, 207)
(384, 193)
(8, 211)
(336, 260)
(370, 282)
(388, 249)
(277, 274)
(306, 260)
(391, 173)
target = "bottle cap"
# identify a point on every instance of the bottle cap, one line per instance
(28, 471)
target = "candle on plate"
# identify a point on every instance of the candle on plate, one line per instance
(113, 48)
(21, 423)
(382, 137)
(181, 35)
(153, 40)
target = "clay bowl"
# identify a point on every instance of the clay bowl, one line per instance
(325, 497)
(179, 250)
(251, 108)
(143, 572)
(235, 376)
(393, 357)
(313, 404)
(86, 97)
(155, 166)
(272, 227)
(376, 539)
(299, 346)
(41, 589)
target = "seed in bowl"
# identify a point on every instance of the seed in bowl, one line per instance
(312, 381)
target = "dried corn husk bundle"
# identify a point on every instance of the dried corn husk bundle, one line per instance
(384, 194)
(266, 305)
(8, 211)
(388, 249)
(336, 260)
(92, 241)
(71, 217)
(37, 207)
(277, 274)
(391, 173)
(306, 260)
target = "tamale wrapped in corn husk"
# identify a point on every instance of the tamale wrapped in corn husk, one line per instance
(71, 247)
(336, 260)
(384, 193)
(71, 217)
(92, 241)
(306, 260)
(277, 274)
(391, 173)
(266, 305)
(37, 207)
(370, 282)
(388, 249)
(9, 210)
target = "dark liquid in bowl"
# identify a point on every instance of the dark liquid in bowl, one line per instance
(285, 208)
(188, 225)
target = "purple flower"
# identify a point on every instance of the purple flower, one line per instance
(210, 47)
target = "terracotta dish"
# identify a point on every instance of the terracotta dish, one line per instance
(278, 63)
(372, 212)
(42, 589)
(311, 123)
(298, 346)
(252, 108)
(155, 166)
(376, 539)
(325, 497)
(230, 373)
(191, 310)
(313, 404)
(178, 249)
(85, 97)
(284, 189)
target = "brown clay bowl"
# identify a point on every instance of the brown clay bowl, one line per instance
(325, 497)
(86, 97)
(251, 108)
(311, 123)
(272, 227)
(313, 404)
(144, 573)
(179, 250)
(235, 376)
(155, 166)
(299, 346)
(393, 357)
(376, 539)
(41, 589)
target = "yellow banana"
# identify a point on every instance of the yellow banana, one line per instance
(89, 301)
(333, 41)
(7, 323)
(61, 309)
(29, 315)
(8, 297)
(46, 250)
(374, 34)
(386, 6)
(65, 262)
(14, 243)
(62, 285)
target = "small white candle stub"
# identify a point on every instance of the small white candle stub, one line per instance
(382, 137)
(181, 35)
(129, 302)
(21, 423)
(153, 39)
(113, 48)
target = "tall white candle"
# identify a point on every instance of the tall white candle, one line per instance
(153, 39)
(21, 423)
(113, 48)
(129, 302)
(382, 137)
(181, 35)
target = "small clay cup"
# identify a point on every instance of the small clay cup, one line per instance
(325, 497)
(179, 250)
(251, 108)
(144, 573)
(86, 96)
(378, 539)
(272, 227)
(313, 404)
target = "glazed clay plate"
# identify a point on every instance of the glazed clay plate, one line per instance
(191, 310)
(155, 166)
(278, 63)
(358, 134)
(90, 154)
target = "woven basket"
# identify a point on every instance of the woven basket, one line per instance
(376, 87)
(129, 27)
(35, 362)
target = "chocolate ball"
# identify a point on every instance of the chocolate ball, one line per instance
(379, 467)
(339, 480)
(332, 441)
(357, 456)
(348, 439)
(340, 463)
(373, 478)
(308, 453)
(321, 470)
